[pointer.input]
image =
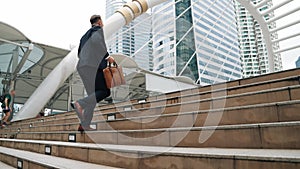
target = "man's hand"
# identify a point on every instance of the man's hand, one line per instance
(110, 59)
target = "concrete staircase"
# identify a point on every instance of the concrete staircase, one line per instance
(247, 123)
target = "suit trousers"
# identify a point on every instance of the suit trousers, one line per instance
(94, 83)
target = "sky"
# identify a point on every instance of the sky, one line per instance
(58, 23)
(61, 23)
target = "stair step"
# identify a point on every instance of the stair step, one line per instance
(164, 157)
(278, 135)
(32, 160)
(246, 123)
(198, 102)
(5, 166)
(274, 75)
(241, 100)
(261, 113)
(238, 87)
(233, 87)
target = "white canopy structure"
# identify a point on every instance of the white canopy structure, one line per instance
(25, 64)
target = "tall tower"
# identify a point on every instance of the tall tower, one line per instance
(198, 39)
(132, 39)
(254, 54)
(298, 63)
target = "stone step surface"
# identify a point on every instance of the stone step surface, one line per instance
(279, 135)
(197, 102)
(33, 160)
(259, 128)
(5, 166)
(238, 88)
(241, 100)
(144, 108)
(133, 156)
(261, 113)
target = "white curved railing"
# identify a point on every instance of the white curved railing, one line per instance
(254, 10)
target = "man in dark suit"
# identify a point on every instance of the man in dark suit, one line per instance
(93, 58)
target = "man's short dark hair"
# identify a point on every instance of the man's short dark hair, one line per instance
(95, 19)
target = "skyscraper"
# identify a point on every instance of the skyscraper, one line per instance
(132, 39)
(298, 63)
(197, 39)
(254, 54)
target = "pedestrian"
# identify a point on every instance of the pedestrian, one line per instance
(41, 114)
(93, 58)
(6, 107)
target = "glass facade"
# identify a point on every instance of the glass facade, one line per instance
(205, 37)
(254, 53)
(132, 39)
(143, 52)
(185, 46)
(122, 41)
(298, 63)
(164, 41)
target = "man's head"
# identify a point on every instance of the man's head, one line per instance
(95, 20)
(12, 92)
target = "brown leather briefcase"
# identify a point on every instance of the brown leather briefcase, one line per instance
(113, 75)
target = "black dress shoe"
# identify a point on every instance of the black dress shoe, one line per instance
(85, 128)
(72, 105)
(80, 128)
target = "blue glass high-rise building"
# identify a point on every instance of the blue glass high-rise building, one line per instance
(298, 63)
(197, 39)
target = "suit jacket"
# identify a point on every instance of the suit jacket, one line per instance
(92, 49)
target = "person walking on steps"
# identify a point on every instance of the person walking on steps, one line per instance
(93, 58)
(6, 109)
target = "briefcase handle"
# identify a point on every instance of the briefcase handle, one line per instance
(114, 63)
